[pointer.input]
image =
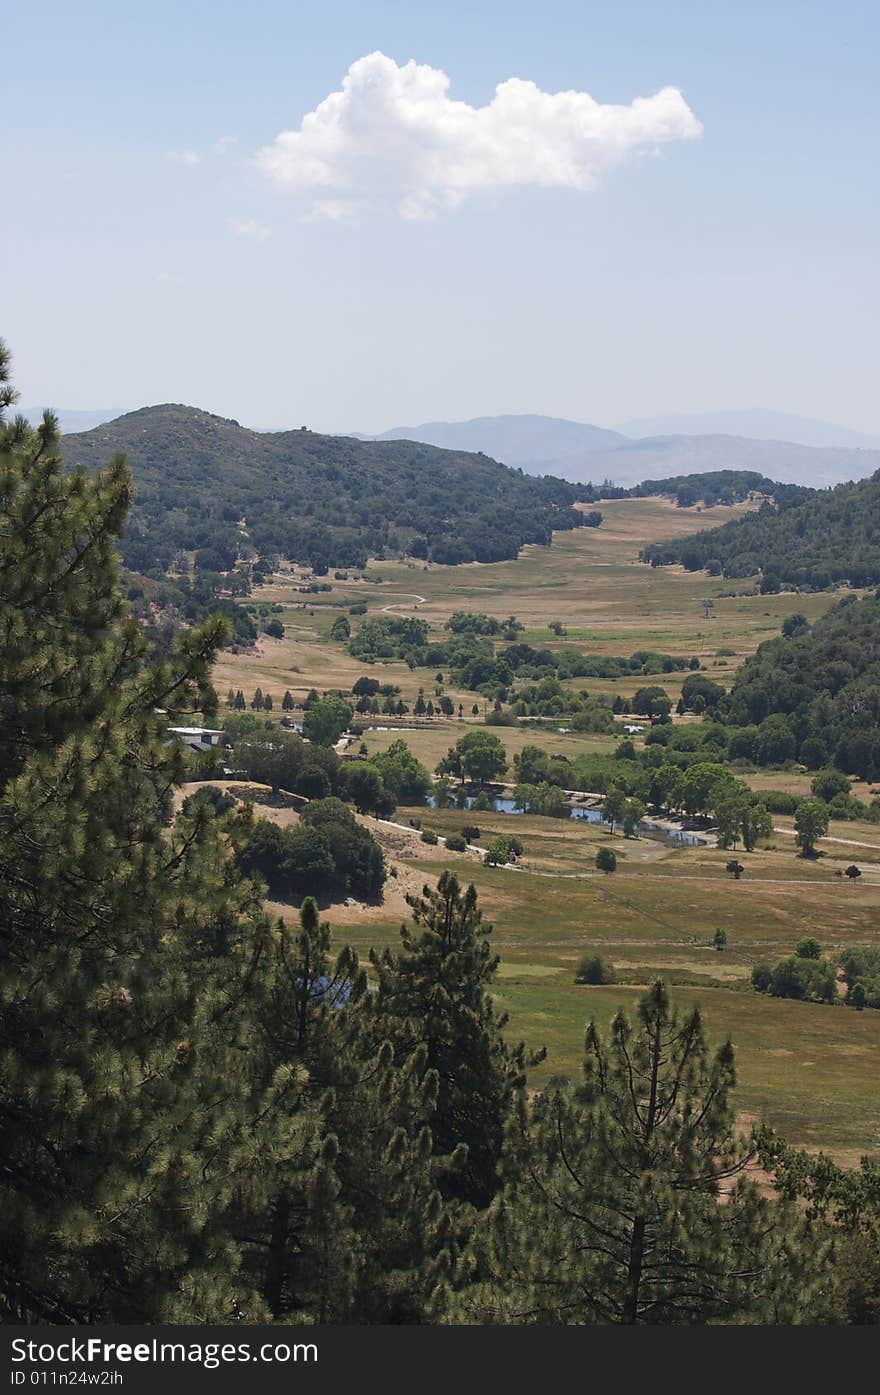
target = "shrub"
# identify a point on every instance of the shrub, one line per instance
(455, 843)
(780, 801)
(428, 836)
(606, 860)
(501, 850)
(594, 969)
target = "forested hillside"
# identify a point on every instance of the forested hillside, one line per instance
(717, 487)
(808, 538)
(205, 484)
(819, 688)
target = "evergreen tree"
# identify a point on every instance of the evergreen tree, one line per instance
(240, 703)
(257, 701)
(437, 993)
(357, 1232)
(132, 957)
(612, 1212)
(287, 701)
(843, 1204)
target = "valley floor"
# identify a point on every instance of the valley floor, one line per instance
(810, 1070)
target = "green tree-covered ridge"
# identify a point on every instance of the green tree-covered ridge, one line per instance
(205, 482)
(807, 538)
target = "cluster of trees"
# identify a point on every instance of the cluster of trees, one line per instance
(378, 783)
(709, 487)
(163, 606)
(861, 972)
(388, 637)
(678, 782)
(618, 809)
(327, 854)
(478, 756)
(813, 694)
(807, 539)
(548, 698)
(485, 655)
(327, 501)
(806, 975)
(282, 759)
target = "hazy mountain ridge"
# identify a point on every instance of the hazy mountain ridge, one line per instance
(581, 452)
(757, 423)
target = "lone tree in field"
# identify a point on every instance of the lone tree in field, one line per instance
(735, 868)
(810, 824)
(611, 1212)
(853, 872)
(719, 939)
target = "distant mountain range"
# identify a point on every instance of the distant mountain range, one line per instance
(757, 423)
(581, 452)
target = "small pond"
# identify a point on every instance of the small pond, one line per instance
(647, 829)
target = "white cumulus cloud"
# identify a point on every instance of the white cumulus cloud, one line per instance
(394, 135)
(184, 157)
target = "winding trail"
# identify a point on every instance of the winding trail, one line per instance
(419, 600)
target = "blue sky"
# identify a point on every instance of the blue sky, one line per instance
(151, 257)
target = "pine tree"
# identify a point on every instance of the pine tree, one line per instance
(436, 994)
(132, 958)
(268, 704)
(257, 701)
(240, 703)
(287, 701)
(842, 1204)
(358, 1232)
(230, 698)
(612, 1212)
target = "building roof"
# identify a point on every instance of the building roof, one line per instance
(196, 731)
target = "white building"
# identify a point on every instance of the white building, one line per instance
(199, 739)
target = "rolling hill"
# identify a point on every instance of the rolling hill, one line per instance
(206, 484)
